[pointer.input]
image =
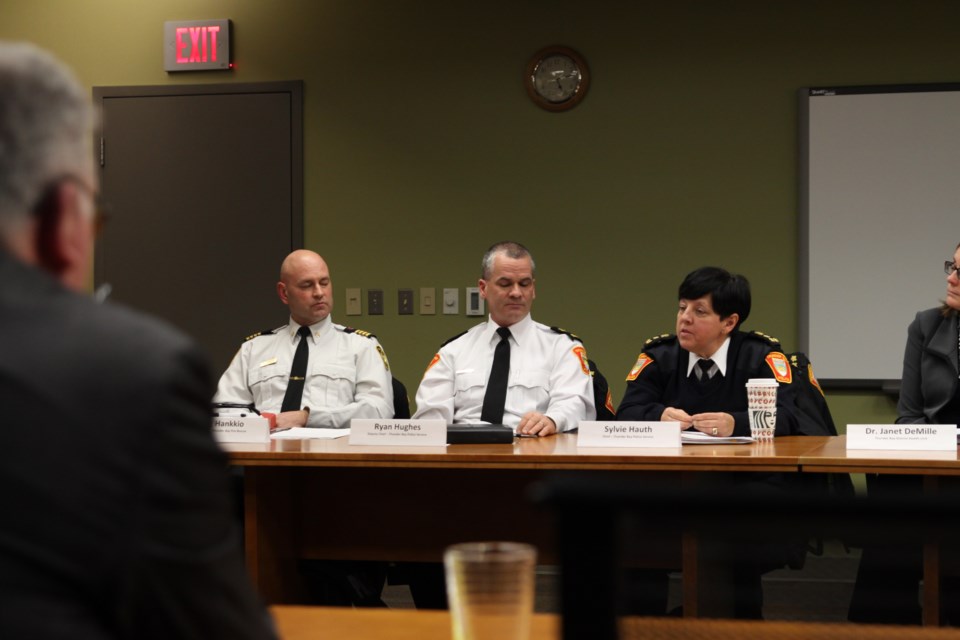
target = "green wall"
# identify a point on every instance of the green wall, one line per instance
(422, 148)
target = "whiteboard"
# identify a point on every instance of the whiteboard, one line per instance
(879, 214)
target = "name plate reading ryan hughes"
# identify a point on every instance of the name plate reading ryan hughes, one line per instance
(628, 434)
(241, 429)
(902, 437)
(416, 433)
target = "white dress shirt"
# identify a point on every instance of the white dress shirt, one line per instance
(548, 374)
(347, 374)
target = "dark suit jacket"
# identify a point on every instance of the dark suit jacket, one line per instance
(664, 382)
(116, 513)
(929, 367)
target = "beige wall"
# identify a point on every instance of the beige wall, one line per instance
(422, 148)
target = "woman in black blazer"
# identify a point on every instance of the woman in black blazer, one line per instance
(887, 579)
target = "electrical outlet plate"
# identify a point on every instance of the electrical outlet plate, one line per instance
(428, 301)
(405, 302)
(451, 301)
(474, 301)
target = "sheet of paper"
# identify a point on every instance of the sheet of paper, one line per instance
(304, 433)
(698, 437)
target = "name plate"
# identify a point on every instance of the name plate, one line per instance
(629, 434)
(902, 437)
(416, 433)
(245, 429)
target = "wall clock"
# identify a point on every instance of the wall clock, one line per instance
(557, 78)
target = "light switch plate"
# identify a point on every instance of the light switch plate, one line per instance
(353, 302)
(428, 301)
(405, 302)
(375, 302)
(474, 301)
(451, 301)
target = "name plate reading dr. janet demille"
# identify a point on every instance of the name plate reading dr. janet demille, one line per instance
(629, 434)
(902, 437)
(413, 433)
(241, 429)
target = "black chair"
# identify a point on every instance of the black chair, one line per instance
(592, 511)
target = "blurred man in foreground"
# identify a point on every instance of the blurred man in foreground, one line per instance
(117, 515)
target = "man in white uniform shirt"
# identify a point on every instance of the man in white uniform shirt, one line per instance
(549, 386)
(347, 374)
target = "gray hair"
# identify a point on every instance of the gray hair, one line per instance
(46, 122)
(510, 249)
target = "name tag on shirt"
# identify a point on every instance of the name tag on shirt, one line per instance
(628, 434)
(245, 429)
(417, 433)
(902, 437)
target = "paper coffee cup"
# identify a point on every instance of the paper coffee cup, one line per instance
(762, 407)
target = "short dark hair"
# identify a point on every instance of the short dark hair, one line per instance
(729, 292)
(508, 248)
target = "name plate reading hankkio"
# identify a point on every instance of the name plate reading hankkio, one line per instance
(628, 434)
(417, 433)
(902, 437)
(245, 429)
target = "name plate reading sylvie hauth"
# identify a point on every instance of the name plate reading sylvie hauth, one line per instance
(416, 433)
(902, 437)
(597, 433)
(241, 429)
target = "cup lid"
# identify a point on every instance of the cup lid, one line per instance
(763, 382)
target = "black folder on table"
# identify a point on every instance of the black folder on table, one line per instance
(479, 434)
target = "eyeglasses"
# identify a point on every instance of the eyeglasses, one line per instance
(949, 267)
(46, 204)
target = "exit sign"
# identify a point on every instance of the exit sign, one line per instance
(196, 45)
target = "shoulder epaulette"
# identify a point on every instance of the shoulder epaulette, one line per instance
(759, 335)
(655, 340)
(452, 339)
(268, 332)
(572, 336)
(359, 332)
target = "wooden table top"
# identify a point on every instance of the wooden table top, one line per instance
(549, 453)
(330, 623)
(832, 456)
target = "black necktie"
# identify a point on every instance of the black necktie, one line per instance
(704, 370)
(496, 396)
(298, 373)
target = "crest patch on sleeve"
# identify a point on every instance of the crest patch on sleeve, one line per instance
(780, 366)
(581, 354)
(436, 359)
(642, 361)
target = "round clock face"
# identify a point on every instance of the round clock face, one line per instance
(556, 78)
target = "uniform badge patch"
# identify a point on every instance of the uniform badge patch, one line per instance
(813, 379)
(642, 361)
(780, 366)
(609, 404)
(436, 359)
(383, 357)
(581, 354)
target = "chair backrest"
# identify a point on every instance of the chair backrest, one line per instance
(601, 394)
(597, 532)
(401, 403)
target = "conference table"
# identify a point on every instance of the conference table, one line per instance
(331, 623)
(332, 500)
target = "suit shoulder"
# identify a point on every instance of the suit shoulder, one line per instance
(564, 332)
(454, 338)
(356, 332)
(265, 332)
(662, 340)
(763, 338)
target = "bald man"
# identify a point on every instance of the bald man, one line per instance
(347, 373)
